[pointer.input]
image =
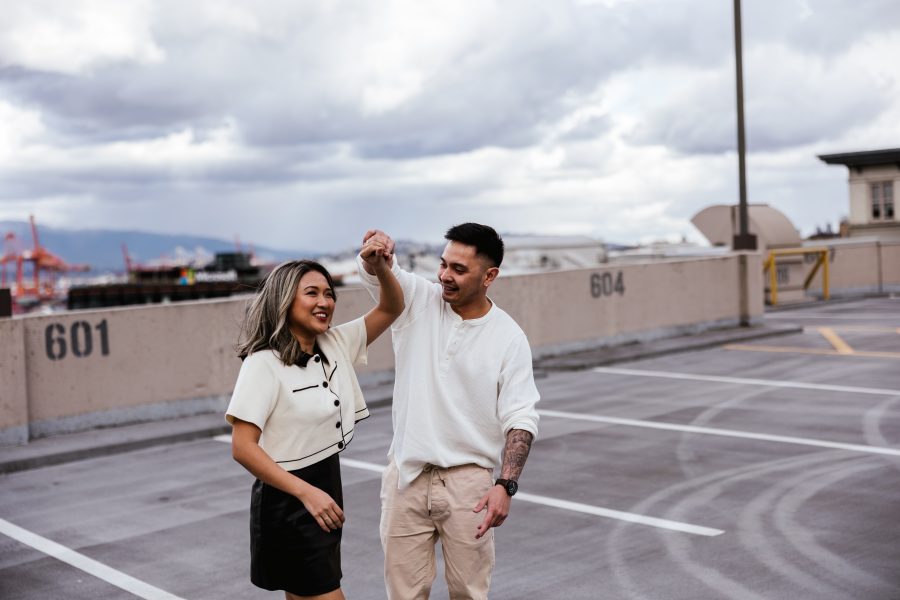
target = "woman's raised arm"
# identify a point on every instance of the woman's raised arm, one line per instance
(390, 301)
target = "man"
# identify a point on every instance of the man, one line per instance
(464, 396)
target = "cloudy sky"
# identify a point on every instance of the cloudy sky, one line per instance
(299, 124)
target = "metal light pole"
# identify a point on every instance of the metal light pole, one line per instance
(744, 240)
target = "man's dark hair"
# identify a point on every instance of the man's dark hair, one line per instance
(486, 241)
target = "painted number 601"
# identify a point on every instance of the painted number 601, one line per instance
(80, 339)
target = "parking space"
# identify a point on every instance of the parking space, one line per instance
(733, 472)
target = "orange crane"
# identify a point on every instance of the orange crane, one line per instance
(11, 255)
(43, 262)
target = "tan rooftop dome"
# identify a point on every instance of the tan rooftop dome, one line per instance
(719, 223)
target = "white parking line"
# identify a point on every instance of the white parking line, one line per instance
(745, 381)
(82, 562)
(564, 504)
(722, 432)
(366, 466)
(578, 507)
(621, 516)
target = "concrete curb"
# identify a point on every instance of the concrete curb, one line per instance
(34, 460)
(60, 449)
(710, 339)
(819, 303)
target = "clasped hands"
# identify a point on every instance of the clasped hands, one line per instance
(377, 245)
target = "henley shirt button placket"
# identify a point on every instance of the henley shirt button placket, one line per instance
(451, 347)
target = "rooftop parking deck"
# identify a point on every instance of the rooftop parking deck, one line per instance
(759, 469)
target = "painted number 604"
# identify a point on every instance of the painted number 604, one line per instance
(605, 284)
(79, 339)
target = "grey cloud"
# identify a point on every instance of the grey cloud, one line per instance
(589, 129)
(825, 27)
(282, 93)
(103, 108)
(126, 182)
(701, 123)
(790, 100)
(281, 90)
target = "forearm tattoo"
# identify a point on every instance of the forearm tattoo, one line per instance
(515, 453)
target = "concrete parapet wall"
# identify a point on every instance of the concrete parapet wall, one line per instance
(580, 309)
(13, 386)
(890, 266)
(855, 268)
(77, 370)
(120, 362)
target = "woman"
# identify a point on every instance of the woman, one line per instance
(294, 408)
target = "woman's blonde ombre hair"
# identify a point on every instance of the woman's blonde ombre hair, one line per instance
(265, 325)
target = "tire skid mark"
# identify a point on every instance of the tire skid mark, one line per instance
(753, 535)
(872, 427)
(806, 543)
(712, 577)
(705, 488)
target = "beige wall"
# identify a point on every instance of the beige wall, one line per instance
(860, 268)
(559, 311)
(150, 355)
(886, 231)
(890, 266)
(859, 203)
(163, 361)
(13, 390)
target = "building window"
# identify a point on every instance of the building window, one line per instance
(883, 201)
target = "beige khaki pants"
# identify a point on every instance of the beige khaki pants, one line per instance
(437, 505)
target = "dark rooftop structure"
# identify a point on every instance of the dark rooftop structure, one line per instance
(867, 158)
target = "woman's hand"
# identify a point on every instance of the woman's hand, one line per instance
(246, 450)
(323, 508)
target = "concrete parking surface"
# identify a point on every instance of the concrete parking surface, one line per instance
(766, 469)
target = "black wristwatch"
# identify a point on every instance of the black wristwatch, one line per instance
(511, 486)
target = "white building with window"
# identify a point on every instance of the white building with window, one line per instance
(874, 178)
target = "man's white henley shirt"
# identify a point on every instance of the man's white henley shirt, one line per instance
(460, 385)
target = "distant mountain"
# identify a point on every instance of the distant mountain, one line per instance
(102, 248)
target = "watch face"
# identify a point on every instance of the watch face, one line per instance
(512, 487)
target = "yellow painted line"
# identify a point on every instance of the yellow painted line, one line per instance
(821, 352)
(793, 349)
(860, 328)
(876, 354)
(835, 340)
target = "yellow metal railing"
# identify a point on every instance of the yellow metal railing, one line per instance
(821, 261)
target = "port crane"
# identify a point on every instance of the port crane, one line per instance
(45, 267)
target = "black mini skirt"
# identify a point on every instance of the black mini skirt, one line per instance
(288, 549)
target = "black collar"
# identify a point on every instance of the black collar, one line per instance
(305, 357)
